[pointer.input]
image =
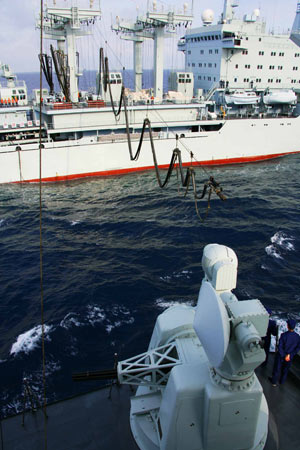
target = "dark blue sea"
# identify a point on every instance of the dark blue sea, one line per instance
(118, 251)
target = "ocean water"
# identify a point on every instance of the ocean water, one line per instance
(118, 251)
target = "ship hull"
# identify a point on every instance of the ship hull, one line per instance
(237, 141)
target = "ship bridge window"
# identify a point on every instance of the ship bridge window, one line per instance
(208, 38)
(205, 38)
(228, 34)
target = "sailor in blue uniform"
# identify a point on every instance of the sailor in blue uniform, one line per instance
(288, 347)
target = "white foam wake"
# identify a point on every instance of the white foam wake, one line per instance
(29, 340)
(164, 304)
(280, 242)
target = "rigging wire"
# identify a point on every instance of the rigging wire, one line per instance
(41, 235)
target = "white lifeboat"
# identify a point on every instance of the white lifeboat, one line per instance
(242, 98)
(279, 97)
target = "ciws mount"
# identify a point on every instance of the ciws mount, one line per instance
(196, 383)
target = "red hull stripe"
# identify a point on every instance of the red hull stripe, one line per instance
(213, 162)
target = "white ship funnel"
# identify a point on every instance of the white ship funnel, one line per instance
(295, 33)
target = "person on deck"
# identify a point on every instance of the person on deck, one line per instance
(288, 347)
(271, 331)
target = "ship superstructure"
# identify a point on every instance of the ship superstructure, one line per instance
(81, 136)
(240, 53)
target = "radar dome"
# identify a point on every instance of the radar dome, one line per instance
(207, 16)
(256, 12)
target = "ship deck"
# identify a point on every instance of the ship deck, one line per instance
(95, 421)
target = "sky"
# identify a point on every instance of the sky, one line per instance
(19, 40)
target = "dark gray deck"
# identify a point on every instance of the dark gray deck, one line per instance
(93, 421)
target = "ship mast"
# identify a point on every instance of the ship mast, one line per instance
(228, 10)
(295, 33)
(65, 25)
(155, 25)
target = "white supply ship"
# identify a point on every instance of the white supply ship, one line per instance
(235, 103)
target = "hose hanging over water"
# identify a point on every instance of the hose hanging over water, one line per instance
(176, 162)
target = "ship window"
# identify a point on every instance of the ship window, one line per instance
(261, 53)
(210, 65)
(246, 80)
(210, 52)
(258, 80)
(213, 38)
(235, 80)
(204, 64)
(236, 66)
(278, 80)
(204, 77)
(270, 80)
(200, 64)
(295, 68)
(259, 66)
(201, 52)
(281, 54)
(119, 81)
(259, 39)
(214, 78)
(280, 67)
(205, 38)
(297, 55)
(246, 38)
(14, 91)
(217, 37)
(216, 51)
(245, 52)
(188, 64)
(215, 64)
(189, 52)
(273, 53)
(208, 38)
(199, 77)
(193, 64)
(209, 78)
(271, 67)
(202, 38)
(247, 66)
